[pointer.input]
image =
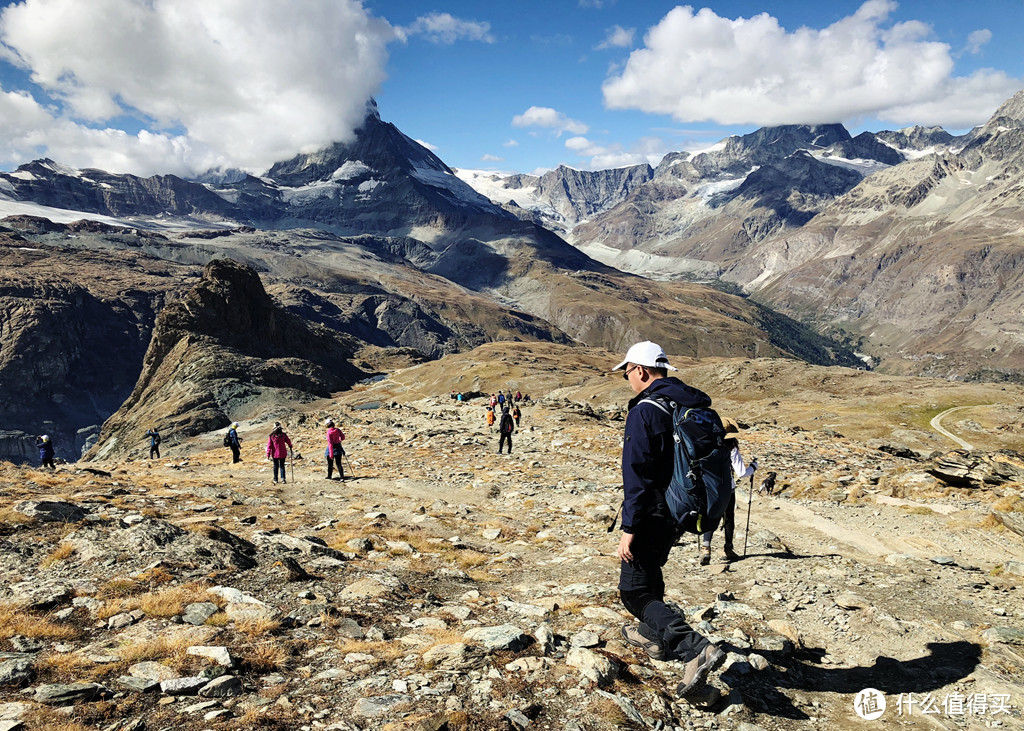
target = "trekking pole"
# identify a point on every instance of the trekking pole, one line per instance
(349, 463)
(750, 497)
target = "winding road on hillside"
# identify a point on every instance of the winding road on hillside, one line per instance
(936, 424)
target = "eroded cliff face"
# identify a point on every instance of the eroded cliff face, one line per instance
(226, 347)
(74, 326)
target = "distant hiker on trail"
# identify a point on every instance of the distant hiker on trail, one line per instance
(516, 414)
(526, 398)
(45, 451)
(739, 472)
(494, 400)
(519, 396)
(334, 451)
(452, 396)
(458, 397)
(278, 448)
(490, 417)
(231, 440)
(505, 428)
(501, 400)
(154, 442)
(647, 535)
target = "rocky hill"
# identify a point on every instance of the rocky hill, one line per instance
(921, 261)
(74, 331)
(443, 587)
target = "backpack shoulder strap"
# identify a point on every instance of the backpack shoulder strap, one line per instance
(664, 404)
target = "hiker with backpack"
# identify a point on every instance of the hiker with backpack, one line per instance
(232, 440)
(739, 472)
(490, 417)
(278, 448)
(649, 528)
(334, 451)
(505, 428)
(154, 442)
(516, 414)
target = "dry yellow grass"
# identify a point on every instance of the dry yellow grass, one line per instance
(257, 627)
(62, 553)
(165, 602)
(264, 657)
(1009, 504)
(167, 649)
(15, 620)
(383, 651)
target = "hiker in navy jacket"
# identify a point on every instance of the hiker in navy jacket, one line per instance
(46, 452)
(647, 533)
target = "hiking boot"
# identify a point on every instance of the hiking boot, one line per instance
(284, 482)
(695, 674)
(705, 555)
(730, 555)
(632, 633)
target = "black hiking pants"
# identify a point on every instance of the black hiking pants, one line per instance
(236, 453)
(331, 462)
(501, 442)
(642, 590)
(154, 450)
(728, 524)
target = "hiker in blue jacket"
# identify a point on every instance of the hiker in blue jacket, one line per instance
(647, 534)
(46, 452)
(154, 442)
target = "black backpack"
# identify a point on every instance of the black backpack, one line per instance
(506, 424)
(227, 440)
(702, 484)
(156, 439)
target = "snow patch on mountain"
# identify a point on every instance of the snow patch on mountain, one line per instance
(351, 169)
(313, 191)
(859, 165)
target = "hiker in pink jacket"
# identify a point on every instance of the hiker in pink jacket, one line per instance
(278, 448)
(334, 451)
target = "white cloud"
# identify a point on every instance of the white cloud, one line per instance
(549, 118)
(510, 143)
(491, 158)
(698, 66)
(429, 146)
(978, 38)
(446, 28)
(617, 37)
(230, 83)
(648, 150)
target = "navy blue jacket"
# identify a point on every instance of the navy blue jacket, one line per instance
(647, 450)
(45, 449)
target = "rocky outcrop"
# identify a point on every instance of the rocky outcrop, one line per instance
(74, 326)
(225, 349)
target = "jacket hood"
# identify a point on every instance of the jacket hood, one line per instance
(672, 388)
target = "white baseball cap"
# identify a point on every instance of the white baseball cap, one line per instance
(646, 354)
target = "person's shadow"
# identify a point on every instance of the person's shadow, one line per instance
(946, 663)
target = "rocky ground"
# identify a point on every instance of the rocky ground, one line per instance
(444, 586)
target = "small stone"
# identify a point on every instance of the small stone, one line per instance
(943, 560)
(16, 672)
(219, 655)
(585, 639)
(591, 665)
(503, 637)
(380, 705)
(197, 614)
(140, 685)
(183, 686)
(492, 534)
(223, 687)
(518, 719)
(68, 694)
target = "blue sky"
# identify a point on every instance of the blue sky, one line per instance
(183, 85)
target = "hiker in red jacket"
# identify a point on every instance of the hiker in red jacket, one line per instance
(278, 448)
(334, 451)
